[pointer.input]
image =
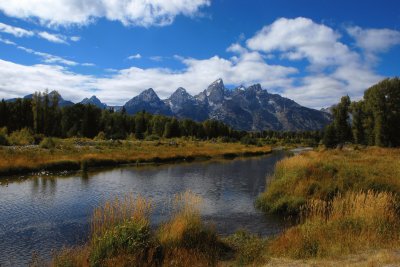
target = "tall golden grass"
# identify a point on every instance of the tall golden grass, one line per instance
(120, 236)
(325, 174)
(119, 211)
(350, 223)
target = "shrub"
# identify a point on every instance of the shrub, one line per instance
(247, 140)
(249, 248)
(101, 136)
(22, 137)
(118, 227)
(3, 137)
(48, 143)
(130, 237)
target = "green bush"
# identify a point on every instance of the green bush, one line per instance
(130, 237)
(48, 143)
(22, 137)
(248, 248)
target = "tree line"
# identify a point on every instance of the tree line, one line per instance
(372, 121)
(42, 115)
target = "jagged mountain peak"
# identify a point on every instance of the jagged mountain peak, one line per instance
(216, 85)
(179, 95)
(215, 91)
(93, 100)
(255, 87)
(149, 95)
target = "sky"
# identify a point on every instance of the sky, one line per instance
(312, 51)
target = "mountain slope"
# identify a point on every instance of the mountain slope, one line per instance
(148, 101)
(251, 108)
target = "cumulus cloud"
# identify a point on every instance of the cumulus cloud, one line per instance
(129, 12)
(18, 80)
(51, 37)
(334, 69)
(302, 38)
(374, 41)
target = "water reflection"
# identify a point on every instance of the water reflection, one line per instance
(46, 212)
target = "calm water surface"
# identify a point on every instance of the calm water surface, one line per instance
(42, 213)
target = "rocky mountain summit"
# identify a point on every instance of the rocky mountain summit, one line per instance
(245, 108)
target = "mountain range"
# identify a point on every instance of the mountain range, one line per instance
(244, 108)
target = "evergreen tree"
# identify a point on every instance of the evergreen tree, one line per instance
(341, 120)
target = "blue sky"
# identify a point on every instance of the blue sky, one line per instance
(312, 51)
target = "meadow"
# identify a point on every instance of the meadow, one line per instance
(81, 153)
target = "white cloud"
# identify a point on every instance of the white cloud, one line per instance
(375, 40)
(136, 56)
(129, 12)
(334, 69)
(6, 41)
(51, 37)
(46, 58)
(75, 38)
(17, 32)
(236, 48)
(18, 80)
(55, 38)
(301, 38)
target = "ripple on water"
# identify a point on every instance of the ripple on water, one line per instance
(45, 213)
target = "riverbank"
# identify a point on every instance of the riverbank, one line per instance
(347, 203)
(75, 154)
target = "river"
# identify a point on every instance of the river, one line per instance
(45, 212)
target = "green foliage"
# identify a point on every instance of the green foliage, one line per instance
(248, 248)
(341, 120)
(330, 137)
(131, 237)
(248, 140)
(22, 137)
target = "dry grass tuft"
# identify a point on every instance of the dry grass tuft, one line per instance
(119, 211)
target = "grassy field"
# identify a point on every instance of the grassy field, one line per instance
(74, 154)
